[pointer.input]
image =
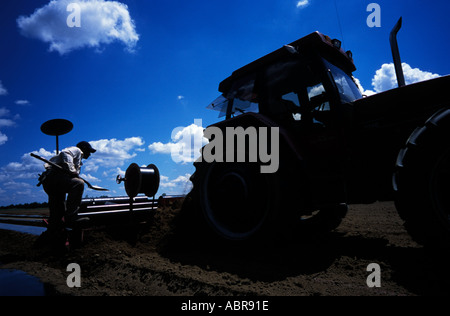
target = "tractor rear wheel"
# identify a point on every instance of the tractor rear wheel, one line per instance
(423, 187)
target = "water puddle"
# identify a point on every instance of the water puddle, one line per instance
(19, 283)
(33, 230)
(16, 282)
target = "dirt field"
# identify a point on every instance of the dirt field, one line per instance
(161, 263)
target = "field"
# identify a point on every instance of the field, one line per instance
(160, 261)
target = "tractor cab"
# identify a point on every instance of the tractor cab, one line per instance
(303, 83)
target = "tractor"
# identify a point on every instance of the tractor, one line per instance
(335, 147)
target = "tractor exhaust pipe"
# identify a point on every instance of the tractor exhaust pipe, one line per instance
(396, 53)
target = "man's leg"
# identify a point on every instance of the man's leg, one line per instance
(56, 203)
(57, 207)
(75, 191)
(55, 234)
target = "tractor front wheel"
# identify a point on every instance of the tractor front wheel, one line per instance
(237, 201)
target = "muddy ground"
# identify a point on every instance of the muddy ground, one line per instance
(160, 262)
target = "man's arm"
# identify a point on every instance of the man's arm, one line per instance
(65, 170)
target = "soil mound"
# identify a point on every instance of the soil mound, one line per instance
(158, 259)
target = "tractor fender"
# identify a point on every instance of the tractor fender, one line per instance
(435, 124)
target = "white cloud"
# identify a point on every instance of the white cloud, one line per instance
(413, 75)
(5, 122)
(22, 102)
(111, 174)
(112, 152)
(13, 185)
(361, 88)
(102, 22)
(386, 79)
(3, 90)
(27, 168)
(185, 146)
(90, 178)
(3, 138)
(182, 184)
(160, 148)
(302, 3)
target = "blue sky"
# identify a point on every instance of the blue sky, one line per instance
(134, 71)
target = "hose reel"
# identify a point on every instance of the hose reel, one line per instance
(140, 180)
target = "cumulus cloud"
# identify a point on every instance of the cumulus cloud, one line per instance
(27, 168)
(386, 79)
(13, 185)
(186, 143)
(101, 22)
(19, 178)
(302, 3)
(6, 122)
(90, 178)
(3, 113)
(182, 184)
(113, 152)
(361, 88)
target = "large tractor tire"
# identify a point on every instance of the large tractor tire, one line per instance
(237, 201)
(239, 204)
(422, 182)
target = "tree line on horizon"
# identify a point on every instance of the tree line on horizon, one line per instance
(25, 206)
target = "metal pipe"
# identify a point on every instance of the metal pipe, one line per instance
(126, 211)
(99, 206)
(120, 206)
(396, 53)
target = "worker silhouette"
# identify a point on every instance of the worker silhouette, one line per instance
(57, 183)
